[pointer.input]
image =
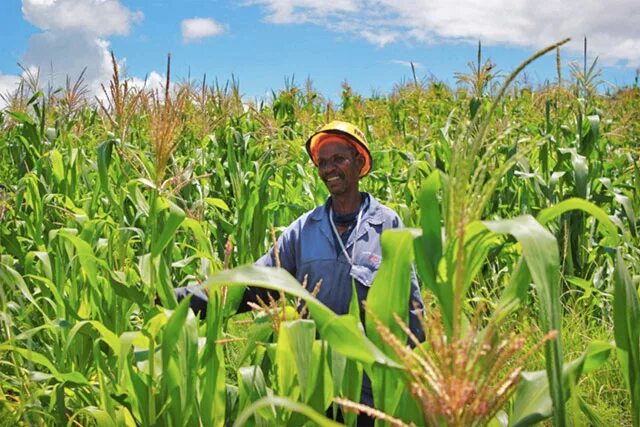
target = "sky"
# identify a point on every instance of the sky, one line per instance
(264, 44)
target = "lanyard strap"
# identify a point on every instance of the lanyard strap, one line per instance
(335, 230)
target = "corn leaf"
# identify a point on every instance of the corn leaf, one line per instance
(540, 251)
(391, 288)
(342, 332)
(169, 227)
(428, 246)
(626, 330)
(609, 228)
(38, 358)
(532, 402)
(285, 403)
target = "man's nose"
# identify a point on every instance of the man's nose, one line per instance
(326, 167)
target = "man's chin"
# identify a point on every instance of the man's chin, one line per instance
(334, 189)
(336, 192)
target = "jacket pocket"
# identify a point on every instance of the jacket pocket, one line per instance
(365, 267)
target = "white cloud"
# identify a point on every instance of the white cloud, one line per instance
(59, 54)
(611, 27)
(380, 38)
(97, 17)
(74, 37)
(406, 63)
(154, 81)
(8, 85)
(200, 28)
(300, 11)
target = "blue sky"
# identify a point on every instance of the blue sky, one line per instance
(263, 42)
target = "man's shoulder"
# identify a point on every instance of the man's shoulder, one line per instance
(314, 215)
(387, 212)
(383, 212)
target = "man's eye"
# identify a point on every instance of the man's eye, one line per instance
(335, 160)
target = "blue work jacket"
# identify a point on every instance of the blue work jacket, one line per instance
(308, 248)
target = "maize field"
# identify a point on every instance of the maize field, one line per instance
(521, 211)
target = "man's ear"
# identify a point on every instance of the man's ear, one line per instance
(359, 161)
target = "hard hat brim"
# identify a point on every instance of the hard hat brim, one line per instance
(313, 145)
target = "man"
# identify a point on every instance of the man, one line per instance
(338, 242)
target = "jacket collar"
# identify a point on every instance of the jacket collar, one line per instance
(373, 215)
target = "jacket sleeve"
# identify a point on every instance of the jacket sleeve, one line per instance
(416, 307)
(286, 251)
(199, 299)
(286, 245)
(286, 254)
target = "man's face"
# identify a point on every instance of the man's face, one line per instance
(339, 166)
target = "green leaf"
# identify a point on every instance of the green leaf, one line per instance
(594, 418)
(217, 203)
(608, 227)
(100, 416)
(391, 288)
(532, 402)
(252, 387)
(285, 363)
(300, 336)
(85, 256)
(581, 174)
(180, 380)
(212, 403)
(352, 387)
(173, 330)
(320, 382)
(627, 206)
(517, 290)
(338, 367)
(21, 117)
(590, 138)
(40, 359)
(259, 332)
(342, 332)
(57, 165)
(164, 284)
(169, 226)
(123, 290)
(290, 405)
(428, 247)
(104, 160)
(199, 234)
(626, 330)
(45, 262)
(540, 251)
(8, 276)
(104, 333)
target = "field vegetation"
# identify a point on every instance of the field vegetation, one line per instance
(521, 205)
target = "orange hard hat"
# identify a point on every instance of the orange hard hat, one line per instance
(349, 132)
